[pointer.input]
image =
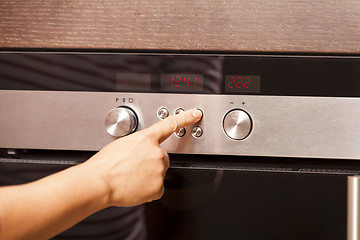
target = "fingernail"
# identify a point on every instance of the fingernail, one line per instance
(197, 113)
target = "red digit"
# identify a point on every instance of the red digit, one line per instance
(172, 81)
(247, 82)
(187, 81)
(195, 81)
(178, 81)
(231, 82)
(238, 86)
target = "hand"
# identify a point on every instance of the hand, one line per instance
(127, 172)
(133, 167)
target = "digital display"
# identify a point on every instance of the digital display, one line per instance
(242, 84)
(133, 81)
(182, 82)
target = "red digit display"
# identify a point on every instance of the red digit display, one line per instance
(242, 84)
(182, 82)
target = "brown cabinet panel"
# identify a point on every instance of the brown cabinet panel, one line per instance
(238, 25)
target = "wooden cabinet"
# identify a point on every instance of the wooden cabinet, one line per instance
(239, 25)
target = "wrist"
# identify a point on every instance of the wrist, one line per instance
(93, 181)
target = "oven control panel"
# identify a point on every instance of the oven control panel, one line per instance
(253, 105)
(121, 121)
(231, 125)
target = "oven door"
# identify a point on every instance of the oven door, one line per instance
(213, 197)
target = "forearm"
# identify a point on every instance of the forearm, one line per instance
(42, 209)
(127, 172)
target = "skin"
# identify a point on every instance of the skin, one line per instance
(127, 172)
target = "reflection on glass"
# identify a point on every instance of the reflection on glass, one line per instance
(133, 82)
(111, 72)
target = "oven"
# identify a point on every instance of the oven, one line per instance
(264, 116)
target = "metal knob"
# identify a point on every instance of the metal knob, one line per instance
(237, 124)
(121, 121)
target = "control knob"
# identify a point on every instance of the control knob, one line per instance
(237, 124)
(121, 121)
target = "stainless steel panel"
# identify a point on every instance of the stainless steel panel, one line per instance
(353, 208)
(282, 126)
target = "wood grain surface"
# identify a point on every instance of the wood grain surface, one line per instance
(237, 25)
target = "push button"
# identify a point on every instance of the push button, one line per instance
(197, 132)
(181, 132)
(163, 113)
(202, 113)
(179, 110)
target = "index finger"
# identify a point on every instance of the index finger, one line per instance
(164, 128)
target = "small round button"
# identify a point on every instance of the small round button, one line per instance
(237, 124)
(202, 113)
(181, 132)
(197, 131)
(179, 110)
(121, 121)
(163, 113)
